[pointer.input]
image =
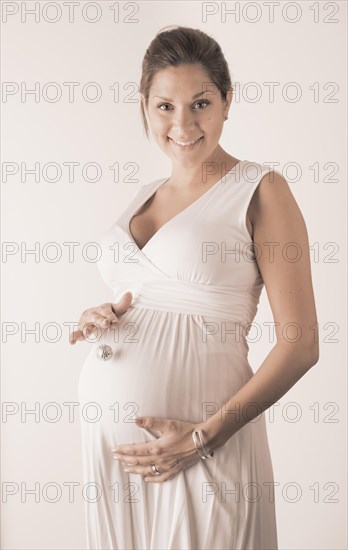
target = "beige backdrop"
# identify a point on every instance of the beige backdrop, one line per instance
(83, 62)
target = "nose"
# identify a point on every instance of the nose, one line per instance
(184, 122)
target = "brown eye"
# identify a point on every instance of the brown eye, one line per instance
(162, 104)
(203, 101)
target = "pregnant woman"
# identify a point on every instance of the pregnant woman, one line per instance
(186, 262)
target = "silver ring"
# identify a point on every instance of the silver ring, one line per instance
(155, 472)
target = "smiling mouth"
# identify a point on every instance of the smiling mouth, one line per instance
(186, 145)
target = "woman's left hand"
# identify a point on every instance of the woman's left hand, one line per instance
(172, 452)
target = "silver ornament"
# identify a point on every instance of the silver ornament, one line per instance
(104, 351)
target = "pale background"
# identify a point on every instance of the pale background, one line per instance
(309, 454)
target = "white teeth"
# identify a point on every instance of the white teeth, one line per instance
(188, 143)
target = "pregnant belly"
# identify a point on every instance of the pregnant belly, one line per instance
(162, 366)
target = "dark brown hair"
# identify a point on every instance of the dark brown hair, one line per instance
(179, 46)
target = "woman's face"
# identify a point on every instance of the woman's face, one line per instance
(185, 106)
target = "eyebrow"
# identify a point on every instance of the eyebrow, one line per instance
(193, 97)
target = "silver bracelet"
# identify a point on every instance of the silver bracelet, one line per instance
(197, 448)
(204, 455)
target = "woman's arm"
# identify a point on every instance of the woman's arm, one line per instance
(285, 268)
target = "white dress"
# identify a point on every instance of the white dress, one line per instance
(180, 353)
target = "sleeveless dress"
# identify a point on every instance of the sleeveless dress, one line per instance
(180, 352)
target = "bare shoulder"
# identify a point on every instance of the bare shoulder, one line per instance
(276, 217)
(273, 199)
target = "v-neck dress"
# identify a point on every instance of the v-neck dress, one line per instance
(180, 352)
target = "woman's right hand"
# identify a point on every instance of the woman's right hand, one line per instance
(102, 316)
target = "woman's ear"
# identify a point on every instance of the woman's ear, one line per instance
(142, 99)
(228, 101)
